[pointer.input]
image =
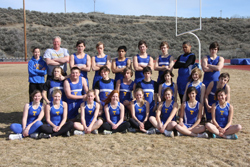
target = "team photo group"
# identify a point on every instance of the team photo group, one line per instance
(64, 104)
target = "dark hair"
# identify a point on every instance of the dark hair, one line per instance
(218, 91)
(79, 42)
(147, 69)
(35, 92)
(214, 45)
(164, 43)
(163, 76)
(189, 90)
(186, 43)
(62, 72)
(35, 49)
(105, 68)
(75, 68)
(167, 89)
(127, 69)
(141, 42)
(122, 47)
(224, 75)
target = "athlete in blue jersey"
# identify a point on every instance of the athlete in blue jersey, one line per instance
(195, 81)
(89, 113)
(56, 116)
(212, 64)
(190, 117)
(168, 82)
(163, 62)
(75, 89)
(81, 60)
(222, 116)
(56, 82)
(120, 63)
(141, 60)
(32, 115)
(150, 89)
(210, 97)
(114, 112)
(184, 63)
(98, 61)
(139, 113)
(165, 120)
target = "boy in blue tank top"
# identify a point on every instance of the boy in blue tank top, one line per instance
(120, 63)
(150, 89)
(75, 88)
(141, 60)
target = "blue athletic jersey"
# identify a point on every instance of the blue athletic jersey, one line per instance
(114, 113)
(141, 61)
(55, 84)
(213, 75)
(165, 86)
(162, 62)
(89, 113)
(166, 111)
(33, 113)
(183, 74)
(100, 61)
(80, 62)
(120, 64)
(56, 115)
(198, 88)
(221, 114)
(140, 112)
(105, 88)
(190, 114)
(126, 91)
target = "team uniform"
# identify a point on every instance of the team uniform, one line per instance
(120, 64)
(149, 89)
(214, 75)
(74, 105)
(221, 114)
(162, 61)
(32, 116)
(190, 115)
(51, 85)
(80, 62)
(89, 113)
(141, 61)
(198, 88)
(100, 61)
(126, 91)
(166, 111)
(165, 86)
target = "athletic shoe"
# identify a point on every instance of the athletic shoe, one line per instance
(150, 132)
(15, 136)
(169, 133)
(107, 132)
(179, 134)
(78, 132)
(157, 131)
(232, 136)
(125, 131)
(215, 136)
(68, 134)
(34, 135)
(44, 135)
(203, 135)
(132, 130)
(95, 132)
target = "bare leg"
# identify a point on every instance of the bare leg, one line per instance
(154, 122)
(233, 129)
(97, 124)
(171, 125)
(78, 126)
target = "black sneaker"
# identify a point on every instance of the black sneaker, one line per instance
(44, 135)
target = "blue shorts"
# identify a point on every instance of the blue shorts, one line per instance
(188, 125)
(73, 109)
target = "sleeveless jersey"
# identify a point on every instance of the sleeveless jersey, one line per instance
(114, 113)
(126, 91)
(166, 111)
(141, 61)
(56, 115)
(140, 112)
(221, 114)
(80, 62)
(164, 86)
(33, 113)
(214, 75)
(100, 61)
(120, 64)
(76, 89)
(198, 88)
(89, 113)
(56, 85)
(148, 89)
(191, 114)
(105, 89)
(162, 62)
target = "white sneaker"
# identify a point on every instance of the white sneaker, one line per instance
(107, 132)
(150, 132)
(203, 135)
(95, 132)
(232, 136)
(169, 133)
(34, 135)
(78, 132)
(15, 136)
(179, 134)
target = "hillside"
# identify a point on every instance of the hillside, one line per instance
(116, 30)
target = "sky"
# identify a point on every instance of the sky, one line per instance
(185, 8)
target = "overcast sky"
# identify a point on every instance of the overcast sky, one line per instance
(186, 8)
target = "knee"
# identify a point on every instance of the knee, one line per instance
(100, 122)
(239, 127)
(207, 125)
(151, 118)
(173, 123)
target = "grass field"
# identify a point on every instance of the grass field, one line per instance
(119, 149)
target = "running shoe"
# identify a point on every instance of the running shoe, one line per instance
(203, 135)
(150, 132)
(107, 132)
(132, 130)
(169, 133)
(78, 132)
(232, 136)
(179, 134)
(15, 136)
(95, 132)
(34, 135)
(44, 135)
